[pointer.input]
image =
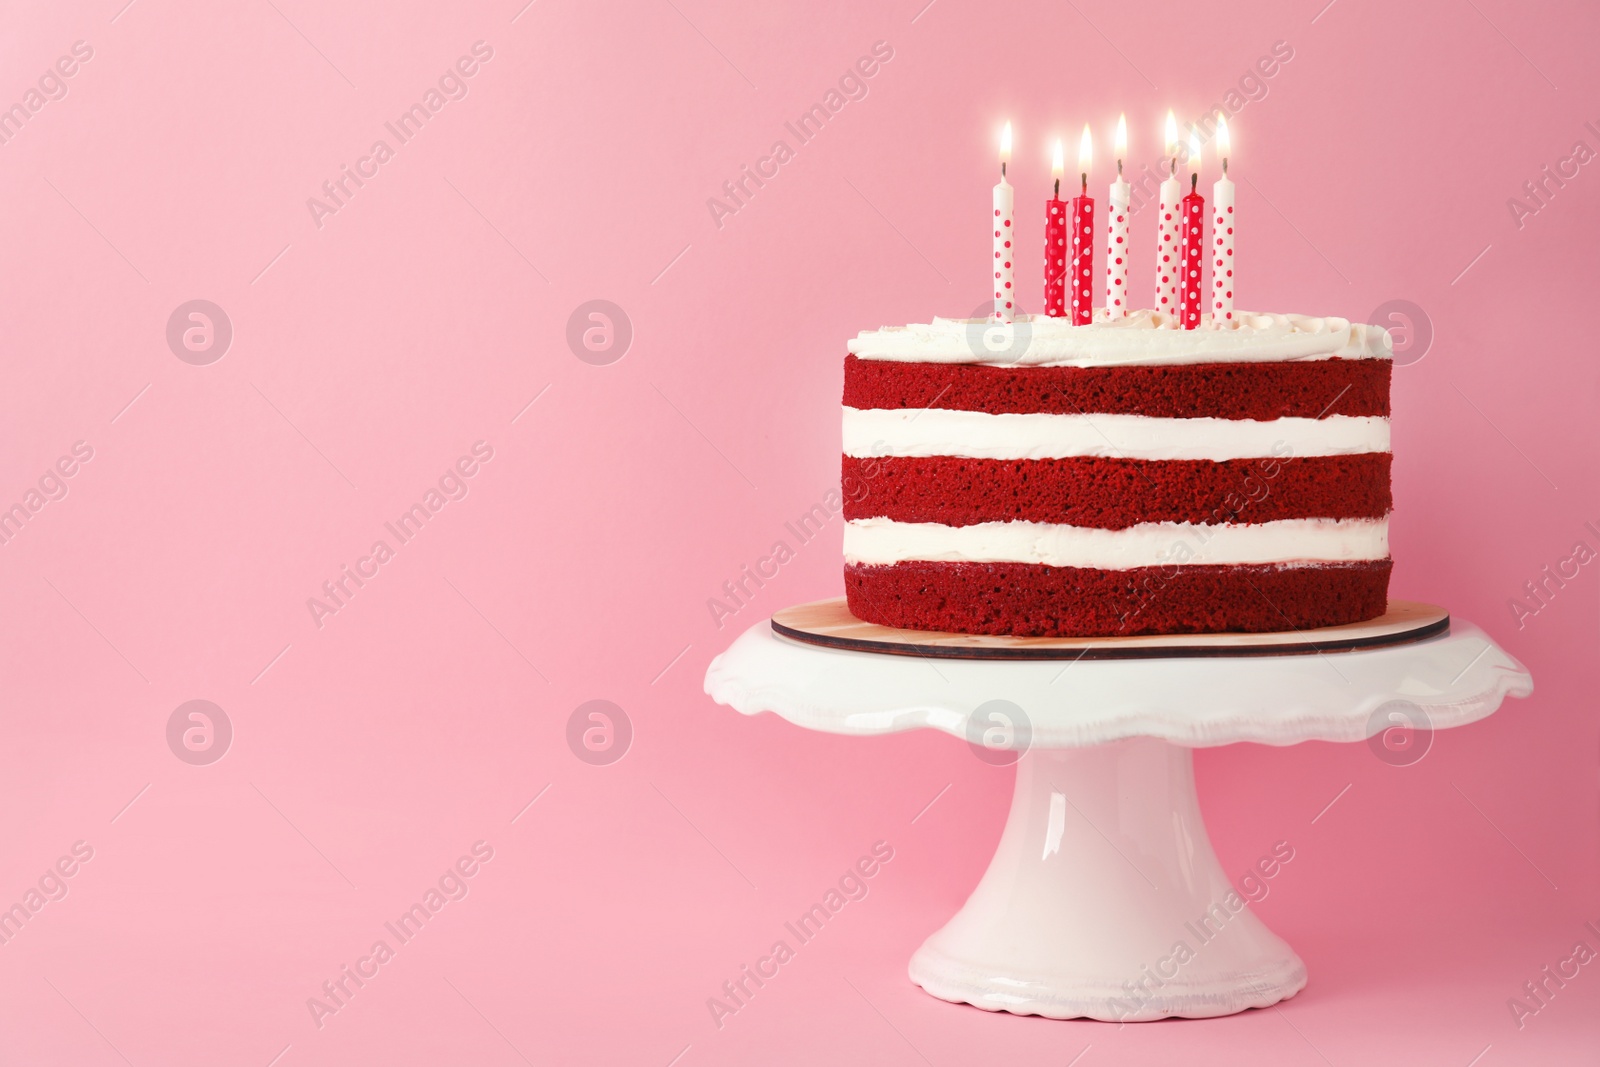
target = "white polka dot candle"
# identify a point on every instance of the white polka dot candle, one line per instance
(1222, 234)
(1004, 216)
(1117, 233)
(1168, 228)
(1081, 274)
(1191, 281)
(1055, 244)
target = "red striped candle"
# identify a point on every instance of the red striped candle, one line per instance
(1081, 274)
(1055, 246)
(1194, 227)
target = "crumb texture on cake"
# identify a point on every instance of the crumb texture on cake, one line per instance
(1029, 600)
(1306, 389)
(1113, 493)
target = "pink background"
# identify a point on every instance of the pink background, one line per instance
(368, 754)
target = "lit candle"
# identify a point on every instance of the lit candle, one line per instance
(1055, 244)
(1082, 272)
(1004, 210)
(1117, 233)
(1222, 230)
(1168, 227)
(1194, 226)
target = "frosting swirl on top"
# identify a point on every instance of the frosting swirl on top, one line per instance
(1143, 337)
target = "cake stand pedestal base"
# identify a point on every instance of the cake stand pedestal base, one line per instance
(1104, 900)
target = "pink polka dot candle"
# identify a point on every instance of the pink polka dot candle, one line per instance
(1117, 233)
(1222, 235)
(1055, 244)
(1004, 216)
(1191, 281)
(1081, 272)
(1169, 226)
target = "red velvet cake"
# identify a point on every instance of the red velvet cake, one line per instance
(1120, 478)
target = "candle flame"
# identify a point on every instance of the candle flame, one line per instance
(1058, 161)
(1172, 136)
(1005, 144)
(1194, 151)
(1085, 150)
(1224, 143)
(1122, 137)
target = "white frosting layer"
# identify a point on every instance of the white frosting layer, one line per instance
(1147, 337)
(882, 541)
(980, 435)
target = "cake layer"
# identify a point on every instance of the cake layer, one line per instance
(1041, 601)
(980, 435)
(1114, 493)
(1303, 389)
(1142, 337)
(1148, 544)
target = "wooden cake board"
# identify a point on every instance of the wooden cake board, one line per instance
(829, 623)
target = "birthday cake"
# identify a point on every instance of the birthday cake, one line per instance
(1124, 477)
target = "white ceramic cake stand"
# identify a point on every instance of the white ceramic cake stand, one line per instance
(1104, 865)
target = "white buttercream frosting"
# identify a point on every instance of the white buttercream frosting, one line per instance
(981, 435)
(1151, 544)
(1143, 337)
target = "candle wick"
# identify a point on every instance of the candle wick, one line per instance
(1058, 188)
(1085, 184)
(1224, 166)
(1119, 170)
(1002, 169)
(1194, 182)
(1174, 171)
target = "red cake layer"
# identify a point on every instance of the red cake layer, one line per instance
(1032, 600)
(1113, 493)
(1306, 389)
